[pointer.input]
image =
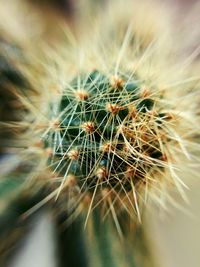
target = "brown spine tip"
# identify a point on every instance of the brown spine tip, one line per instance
(39, 144)
(113, 108)
(164, 157)
(107, 194)
(81, 95)
(129, 173)
(102, 173)
(71, 180)
(88, 127)
(132, 111)
(116, 82)
(86, 200)
(73, 154)
(48, 152)
(145, 92)
(107, 147)
(55, 124)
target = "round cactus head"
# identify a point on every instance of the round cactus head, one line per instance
(109, 139)
(122, 121)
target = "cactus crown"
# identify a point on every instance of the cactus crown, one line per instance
(106, 139)
(110, 137)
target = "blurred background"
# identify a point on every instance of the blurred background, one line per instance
(176, 237)
(177, 234)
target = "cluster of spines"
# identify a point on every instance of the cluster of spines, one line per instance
(108, 139)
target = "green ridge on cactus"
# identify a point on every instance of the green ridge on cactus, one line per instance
(99, 117)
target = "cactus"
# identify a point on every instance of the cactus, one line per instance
(100, 134)
(109, 139)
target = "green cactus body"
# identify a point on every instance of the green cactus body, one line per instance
(97, 144)
(105, 139)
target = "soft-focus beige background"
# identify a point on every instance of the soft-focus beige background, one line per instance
(177, 236)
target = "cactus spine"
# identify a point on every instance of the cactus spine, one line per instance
(106, 125)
